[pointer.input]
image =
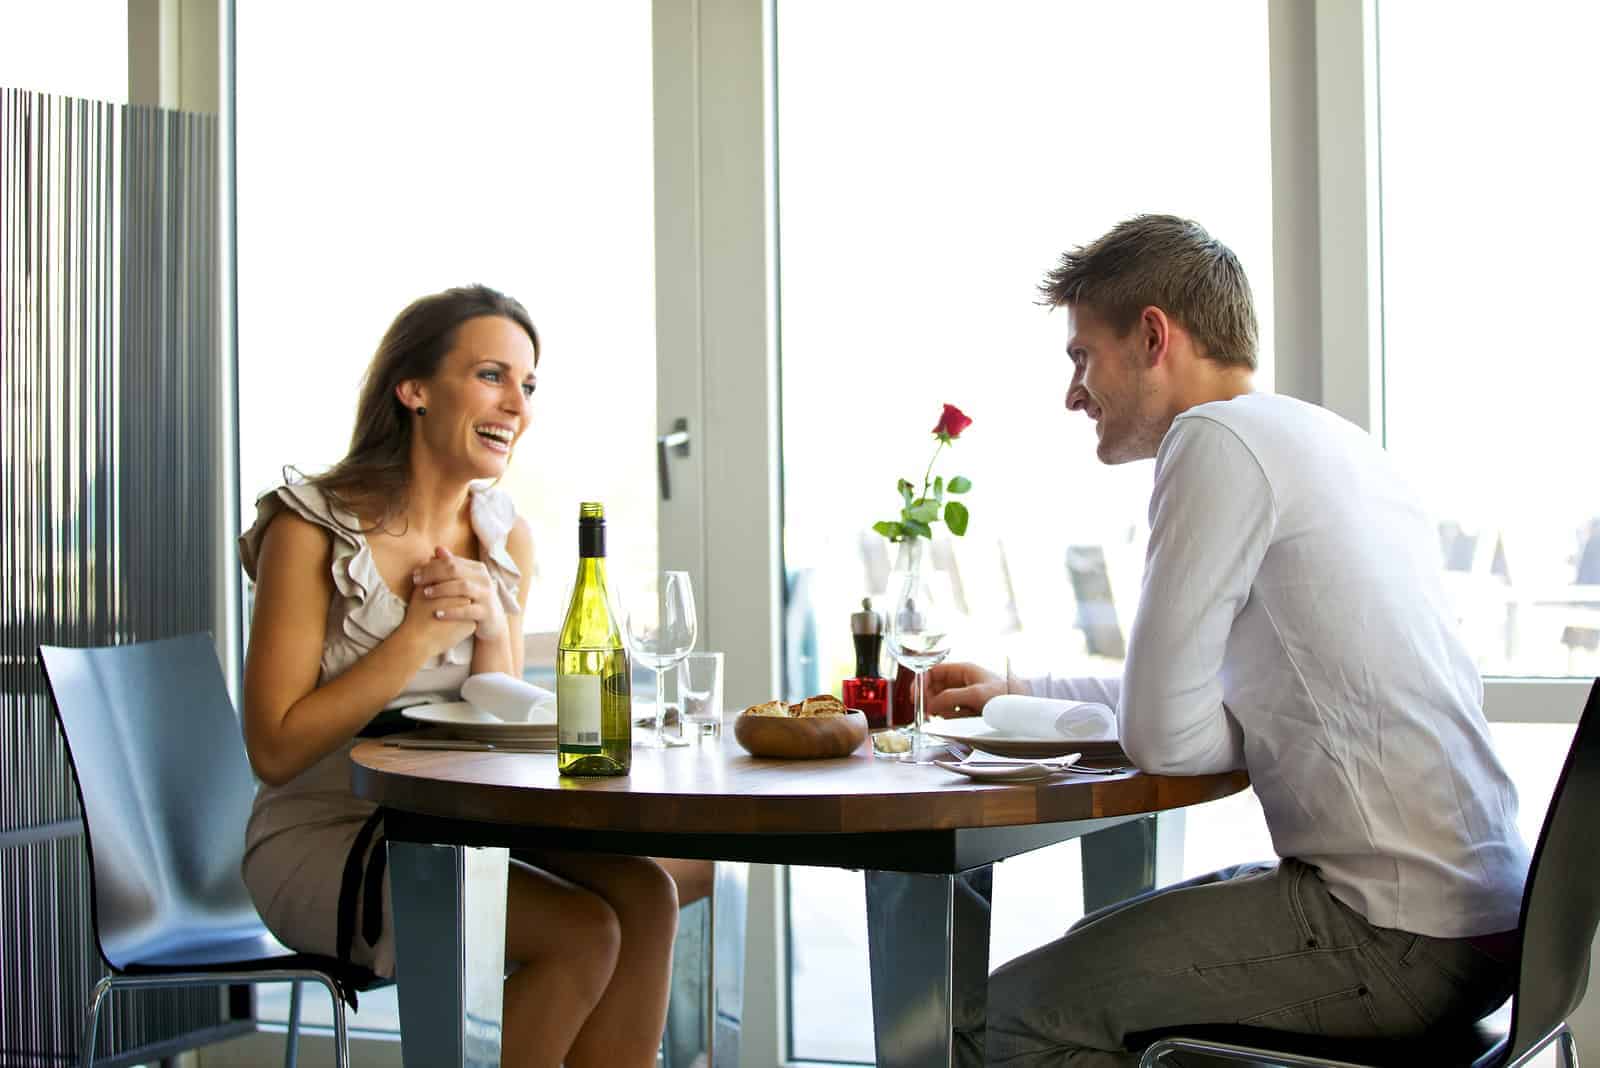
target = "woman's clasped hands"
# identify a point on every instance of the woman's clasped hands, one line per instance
(453, 597)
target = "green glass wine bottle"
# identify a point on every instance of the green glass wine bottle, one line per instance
(594, 701)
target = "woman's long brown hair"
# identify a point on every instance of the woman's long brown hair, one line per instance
(373, 479)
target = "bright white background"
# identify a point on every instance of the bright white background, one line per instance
(931, 168)
(1489, 168)
(389, 150)
(71, 47)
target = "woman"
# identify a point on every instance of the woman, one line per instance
(393, 576)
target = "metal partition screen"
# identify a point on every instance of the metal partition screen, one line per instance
(108, 380)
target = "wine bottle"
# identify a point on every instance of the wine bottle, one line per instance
(594, 701)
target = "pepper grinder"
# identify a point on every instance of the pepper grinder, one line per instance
(868, 691)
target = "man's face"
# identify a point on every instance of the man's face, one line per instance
(1111, 385)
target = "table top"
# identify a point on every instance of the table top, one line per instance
(720, 789)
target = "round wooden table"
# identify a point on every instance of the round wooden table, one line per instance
(925, 837)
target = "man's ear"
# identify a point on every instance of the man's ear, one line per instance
(1155, 336)
(412, 393)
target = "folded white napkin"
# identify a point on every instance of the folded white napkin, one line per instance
(509, 698)
(1046, 717)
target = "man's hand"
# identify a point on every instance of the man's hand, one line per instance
(961, 689)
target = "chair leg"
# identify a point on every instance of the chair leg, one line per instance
(341, 1034)
(92, 1021)
(292, 1039)
(1568, 1047)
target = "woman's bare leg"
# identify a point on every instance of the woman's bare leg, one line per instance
(693, 878)
(624, 1028)
(566, 940)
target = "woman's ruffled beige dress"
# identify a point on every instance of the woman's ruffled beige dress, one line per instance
(300, 833)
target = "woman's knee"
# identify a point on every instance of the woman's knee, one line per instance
(597, 930)
(693, 878)
(576, 930)
(646, 901)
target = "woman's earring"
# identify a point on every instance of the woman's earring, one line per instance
(421, 410)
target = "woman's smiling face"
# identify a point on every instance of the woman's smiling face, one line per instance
(481, 399)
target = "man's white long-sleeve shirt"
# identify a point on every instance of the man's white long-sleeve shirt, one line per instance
(1293, 622)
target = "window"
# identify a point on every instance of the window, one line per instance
(71, 47)
(493, 142)
(1486, 239)
(386, 152)
(931, 167)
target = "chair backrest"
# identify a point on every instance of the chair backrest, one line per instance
(1561, 903)
(165, 788)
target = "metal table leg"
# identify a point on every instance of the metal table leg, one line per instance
(1131, 858)
(688, 1007)
(450, 945)
(928, 945)
(729, 911)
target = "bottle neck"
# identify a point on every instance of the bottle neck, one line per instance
(591, 540)
(591, 571)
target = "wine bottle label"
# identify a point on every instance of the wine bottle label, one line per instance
(578, 713)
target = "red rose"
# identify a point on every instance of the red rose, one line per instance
(951, 423)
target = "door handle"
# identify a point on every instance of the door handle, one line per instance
(676, 439)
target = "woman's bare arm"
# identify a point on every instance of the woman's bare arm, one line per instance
(289, 722)
(506, 652)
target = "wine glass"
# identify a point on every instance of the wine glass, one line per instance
(660, 629)
(918, 637)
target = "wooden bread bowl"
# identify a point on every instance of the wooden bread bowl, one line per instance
(801, 738)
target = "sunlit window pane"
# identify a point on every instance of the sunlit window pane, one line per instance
(391, 150)
(70, 47)
(387, 151)
(1487, 255)
(934, 161)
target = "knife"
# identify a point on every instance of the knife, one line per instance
(466, 744)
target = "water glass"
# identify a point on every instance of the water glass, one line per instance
(700, 695)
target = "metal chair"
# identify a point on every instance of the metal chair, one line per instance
(166, 790)
(1560, 910)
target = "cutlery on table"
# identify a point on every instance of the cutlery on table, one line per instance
(466, 744)
(1022, 762)
(1068, 762)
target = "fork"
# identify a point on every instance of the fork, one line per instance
(959, 750)
(1064, 763)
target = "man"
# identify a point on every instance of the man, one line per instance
(1292, 622)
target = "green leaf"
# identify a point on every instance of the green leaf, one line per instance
(955, 517)
(914, 527)
(923, 511)
(959, 484)
(938, 487)
(907, 490)
(890, 529)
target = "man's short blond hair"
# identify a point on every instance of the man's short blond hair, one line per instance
(1170, 263)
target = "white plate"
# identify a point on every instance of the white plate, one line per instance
(978, 734)
(1002, 772)
(465, 721)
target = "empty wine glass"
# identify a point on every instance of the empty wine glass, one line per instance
(660, 628)
(918, 632)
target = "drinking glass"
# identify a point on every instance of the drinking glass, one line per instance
(918, 637)
(660, 629)
(700, 695)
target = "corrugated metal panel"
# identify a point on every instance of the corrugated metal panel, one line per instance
(108, 304)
